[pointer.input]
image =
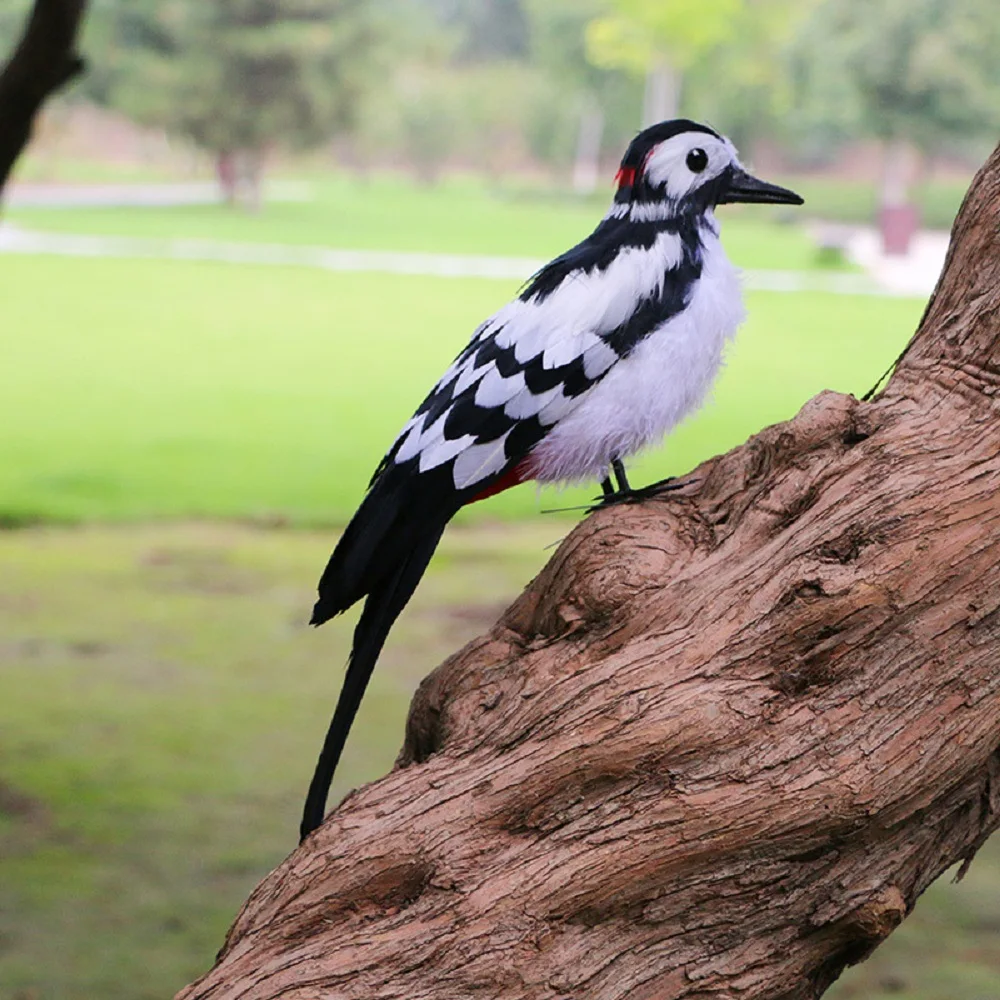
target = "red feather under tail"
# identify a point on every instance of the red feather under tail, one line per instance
(520, 473)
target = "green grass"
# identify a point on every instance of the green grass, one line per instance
(149, 389)
(839, 200)
(161, 705)
(388, 213)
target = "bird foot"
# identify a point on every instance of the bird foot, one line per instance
(630, 496)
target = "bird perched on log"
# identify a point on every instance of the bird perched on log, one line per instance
(605, 349)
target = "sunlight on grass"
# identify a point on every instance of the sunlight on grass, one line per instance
(151, 389)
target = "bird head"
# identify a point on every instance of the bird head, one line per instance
(681, 168)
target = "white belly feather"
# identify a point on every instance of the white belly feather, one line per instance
(665, 378)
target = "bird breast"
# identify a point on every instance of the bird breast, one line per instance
(666, 377)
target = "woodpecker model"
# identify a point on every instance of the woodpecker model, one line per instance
(606, 349)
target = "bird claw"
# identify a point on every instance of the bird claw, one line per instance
(630, 496)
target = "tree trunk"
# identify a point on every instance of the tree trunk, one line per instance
(719, 746)
(587, 163)
(250, 179)
(899, 217)
(663, 93)
(226, 175)
(44, 60)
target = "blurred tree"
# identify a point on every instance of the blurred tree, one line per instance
(660, 39)
(744, 85)
(240, 77)
(490, 85)
(915, 74)
(558, 46)
(487, 29)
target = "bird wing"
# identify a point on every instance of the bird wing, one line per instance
(531, 364)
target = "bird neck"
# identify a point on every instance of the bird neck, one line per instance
(639, 223)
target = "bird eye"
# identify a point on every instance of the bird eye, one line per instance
(697, 160)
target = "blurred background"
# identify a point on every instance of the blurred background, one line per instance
(237, 254)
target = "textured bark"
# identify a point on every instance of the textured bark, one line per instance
(719, 746)
(44, 60)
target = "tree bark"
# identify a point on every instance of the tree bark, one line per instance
(722, 742)
(44, 60)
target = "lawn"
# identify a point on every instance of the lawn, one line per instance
(162, 706)
(856, 201)
(391, 213)
(146, 389)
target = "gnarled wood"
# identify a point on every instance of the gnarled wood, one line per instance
(723, 741)
(44, 60)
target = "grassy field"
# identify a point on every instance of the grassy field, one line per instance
(856, 201)
(171, 389)
(390, 213)
(828, 197)
(161, 702)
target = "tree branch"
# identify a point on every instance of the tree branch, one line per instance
(719, 746)
(44, 60)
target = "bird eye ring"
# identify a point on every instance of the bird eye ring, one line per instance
(697, 160)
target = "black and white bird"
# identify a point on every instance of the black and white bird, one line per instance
(605, 350)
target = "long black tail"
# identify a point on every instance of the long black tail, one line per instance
(386, 599)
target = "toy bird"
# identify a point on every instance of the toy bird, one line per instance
(605, 350)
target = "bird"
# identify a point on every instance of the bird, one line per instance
(603, 351)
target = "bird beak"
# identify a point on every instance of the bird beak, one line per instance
(744, 187)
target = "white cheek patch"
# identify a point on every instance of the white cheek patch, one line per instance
(667, 164)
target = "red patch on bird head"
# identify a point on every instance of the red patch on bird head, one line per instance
(625, 176)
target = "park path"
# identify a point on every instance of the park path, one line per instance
(914, 274)
(14, 239)
(169, 194)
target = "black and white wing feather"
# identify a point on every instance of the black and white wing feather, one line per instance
(526, 369)
(533, 362)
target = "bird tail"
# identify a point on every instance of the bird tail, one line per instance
(399, 547)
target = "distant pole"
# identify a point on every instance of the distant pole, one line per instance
(663, 93)
(898, 215)
(586, 167)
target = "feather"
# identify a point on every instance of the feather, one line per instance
(382, 607)
(605, 349)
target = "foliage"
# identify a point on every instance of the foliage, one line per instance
(559, 50)
(239, 75)
(743, 85)
(921, 70)
(637, 33)
(486, 29)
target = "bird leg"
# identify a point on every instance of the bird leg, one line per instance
(625, 493)
(619, 470)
